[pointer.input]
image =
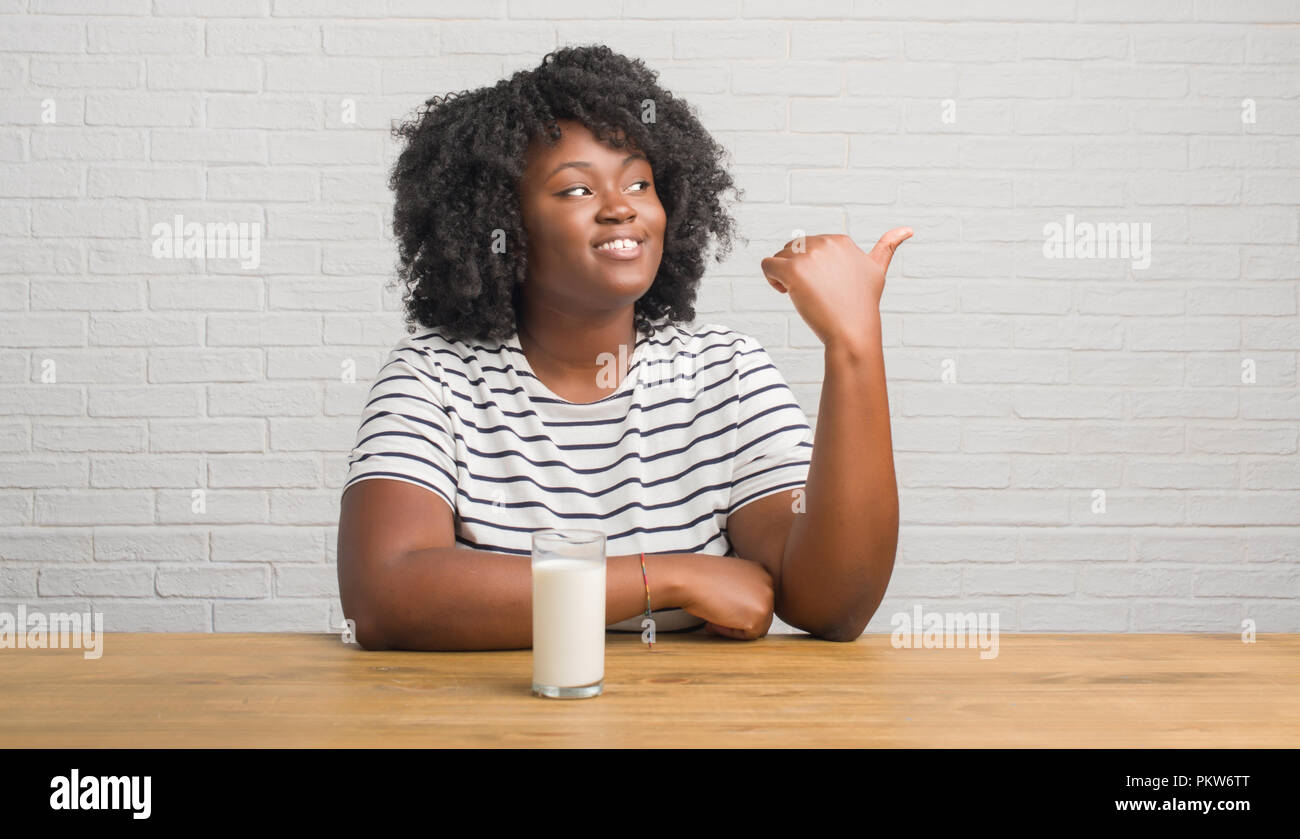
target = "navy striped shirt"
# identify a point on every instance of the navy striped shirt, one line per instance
(702, 424)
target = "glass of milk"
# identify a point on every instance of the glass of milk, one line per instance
(568, 613)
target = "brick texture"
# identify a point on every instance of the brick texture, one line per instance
(1104, 441)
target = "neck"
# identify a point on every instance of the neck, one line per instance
(572, 346)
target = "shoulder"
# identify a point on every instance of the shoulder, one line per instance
(433, 351)
(721, 351)
(715, 340)
(716, 358)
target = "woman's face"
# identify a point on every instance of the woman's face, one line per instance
(575, 195)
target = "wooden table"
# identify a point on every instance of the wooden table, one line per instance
(303, 690)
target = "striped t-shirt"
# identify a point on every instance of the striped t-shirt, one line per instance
(702, 424)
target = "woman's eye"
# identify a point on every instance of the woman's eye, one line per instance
(572, 188)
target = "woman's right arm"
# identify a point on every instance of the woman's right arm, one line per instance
(407, 586)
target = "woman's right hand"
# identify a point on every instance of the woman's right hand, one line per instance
(734, 596)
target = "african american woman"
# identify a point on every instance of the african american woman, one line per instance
(552, 233)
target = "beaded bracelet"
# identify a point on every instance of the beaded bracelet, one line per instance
(648, 624)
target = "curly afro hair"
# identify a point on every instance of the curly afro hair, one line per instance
(456, 183)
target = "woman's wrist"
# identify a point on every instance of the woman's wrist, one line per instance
(666, 574)
(674, 572)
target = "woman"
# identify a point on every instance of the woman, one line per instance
(551, 232)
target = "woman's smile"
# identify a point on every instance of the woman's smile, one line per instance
(621, 250)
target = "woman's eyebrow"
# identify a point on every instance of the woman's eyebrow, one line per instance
(586, 164)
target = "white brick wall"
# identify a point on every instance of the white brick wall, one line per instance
(173, 433)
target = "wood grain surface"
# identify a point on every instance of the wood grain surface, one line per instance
(695, 690)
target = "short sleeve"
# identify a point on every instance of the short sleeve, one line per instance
(774, 441)
(406, 432)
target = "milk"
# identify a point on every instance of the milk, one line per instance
(568, 621)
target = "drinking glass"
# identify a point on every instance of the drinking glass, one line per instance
(568, 613)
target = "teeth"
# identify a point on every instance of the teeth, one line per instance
(618, 244)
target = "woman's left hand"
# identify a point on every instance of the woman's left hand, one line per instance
(834, 285)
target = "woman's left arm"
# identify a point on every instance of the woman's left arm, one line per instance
(839, 554)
